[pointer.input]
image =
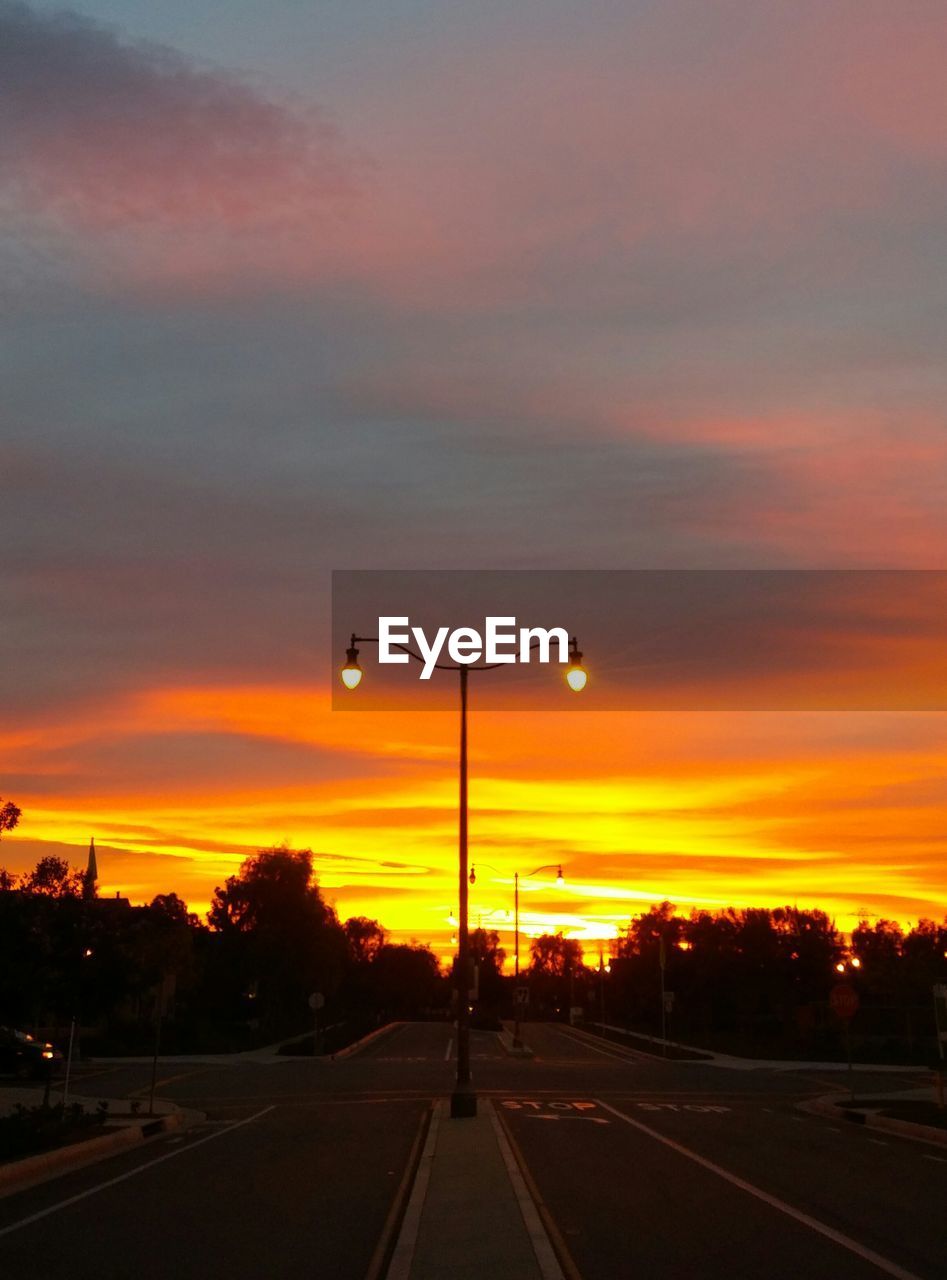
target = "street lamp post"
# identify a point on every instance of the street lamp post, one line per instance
(463, 1101)
(517, 1043)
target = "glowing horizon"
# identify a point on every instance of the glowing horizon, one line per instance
(745, 810)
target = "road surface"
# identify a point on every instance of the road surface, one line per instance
(642, 1168)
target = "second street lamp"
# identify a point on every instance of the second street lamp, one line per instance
(549, 866)
(463, 1099)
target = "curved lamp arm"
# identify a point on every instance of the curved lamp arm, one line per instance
(576, 674)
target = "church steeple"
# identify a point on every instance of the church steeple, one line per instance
(91, 873)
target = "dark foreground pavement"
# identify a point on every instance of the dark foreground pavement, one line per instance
(639, 1167)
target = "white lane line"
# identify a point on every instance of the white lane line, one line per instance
(123, 1177)
(545, 1254)
(938, 1159)
(821, 1228)
(450, 1045)
(584, 1044)
(878, 1142)
(403, 1257)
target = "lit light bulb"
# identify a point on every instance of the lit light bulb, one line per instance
(576, 677)
(351, 673)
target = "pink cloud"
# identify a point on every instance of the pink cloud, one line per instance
(515, 171)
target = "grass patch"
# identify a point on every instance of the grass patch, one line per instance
(28, 1131)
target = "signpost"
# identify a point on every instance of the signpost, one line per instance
(316, 1002)
(843, 1001)
(940, 1023)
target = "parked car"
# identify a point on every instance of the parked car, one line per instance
(25, 1057)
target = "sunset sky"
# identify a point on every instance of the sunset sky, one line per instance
(430, 284)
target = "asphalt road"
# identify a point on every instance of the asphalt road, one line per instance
(644, 1168)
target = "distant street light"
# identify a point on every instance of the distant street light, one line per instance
(516, 923)
(463, 1100)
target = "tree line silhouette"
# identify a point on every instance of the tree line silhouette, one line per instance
(731, 979)
(243, 978)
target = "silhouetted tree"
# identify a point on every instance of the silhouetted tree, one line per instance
(365, 939)
(9, 815)
(406, 979)
(487, 954)
(555, 966)
(924, 959)
(53, 878)
(878, 946)
(281, 939)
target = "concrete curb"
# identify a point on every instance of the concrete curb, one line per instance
(510, 1049)
(19, 1175)
(828, 1106)
(733, 1062)
(351, 1049)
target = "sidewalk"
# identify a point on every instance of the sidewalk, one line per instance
(470, 1214)
(731, 1062)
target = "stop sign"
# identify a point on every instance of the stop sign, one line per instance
(843, 1000)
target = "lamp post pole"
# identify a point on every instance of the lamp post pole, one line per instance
(463, 1100)
(516, 924)
(517, 1043)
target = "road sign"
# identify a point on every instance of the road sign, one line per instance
(669, 1002)
(521, 995)
(843, 1001)
(316, 1001)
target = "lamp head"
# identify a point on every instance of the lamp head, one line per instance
(559, 878)
(473, 876)
(576, 675)
(351, 673)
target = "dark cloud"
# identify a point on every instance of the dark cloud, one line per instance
(106, 133)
